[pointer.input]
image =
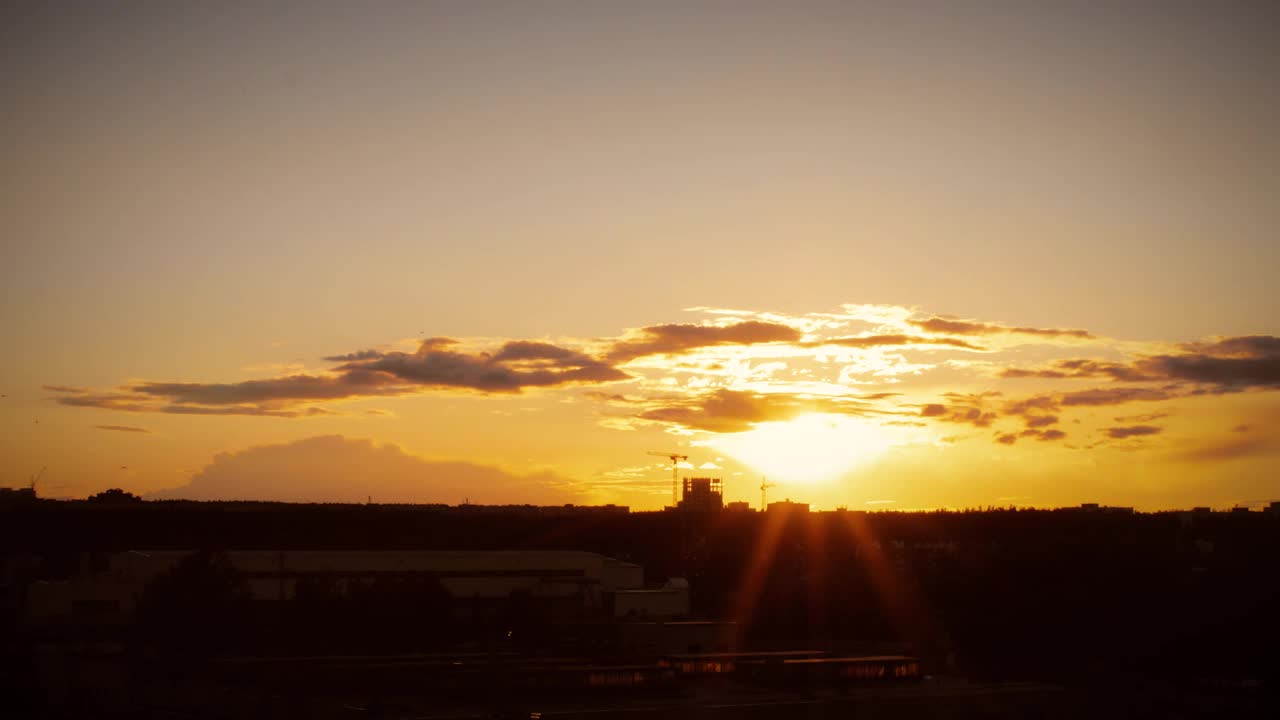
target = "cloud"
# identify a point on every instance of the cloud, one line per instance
(731, 411)
(1225, 365)
(514, 366)
(961, 408)
(1120, 433)
(335, 468)
(1146, 418)
(865, 341)
(950, 326)
(143, 403)
(1111, 396)
(122, 428)
(1041, 435)
(726, 411)
(1081, 369)
(681, 337)
(1229, 363)
(294, 388)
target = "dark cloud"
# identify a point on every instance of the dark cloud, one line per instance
(1049, 435)
(514, 366)
(677, 338)
(1041, 410)
(143, 403)
(1225, 365)
(355, 356)
(866, 341)
(963, 409)
(1120, 433)
(1112, 396)
(318, 469)
(294, 388)
(509, 369)
(729, 411)
(122, 428)
(1025, 406)
(1081, 369)
(949, 326)
(1146, 418)
(1229, 364)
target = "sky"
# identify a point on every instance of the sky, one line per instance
(885, 255)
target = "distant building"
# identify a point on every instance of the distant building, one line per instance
(1273, 508)
(107, 588)
(739, 506)
(788, 506)
(702, 494)
(17, 495)
(1115, 509)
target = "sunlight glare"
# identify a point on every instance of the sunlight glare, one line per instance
(810, 448)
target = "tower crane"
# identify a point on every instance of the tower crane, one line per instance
(764, 485)
(675, 459)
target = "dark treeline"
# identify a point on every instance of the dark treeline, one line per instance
(1004, 593)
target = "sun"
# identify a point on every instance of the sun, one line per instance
(808, 449)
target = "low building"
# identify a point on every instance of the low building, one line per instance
(109, 586)
(671, 600)
(786, 506)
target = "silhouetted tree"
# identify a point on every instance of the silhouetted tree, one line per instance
(114, 495)
(196, 607)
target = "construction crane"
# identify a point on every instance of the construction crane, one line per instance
(764, 485)
(675, 459)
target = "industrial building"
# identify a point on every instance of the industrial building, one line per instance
(108, 586)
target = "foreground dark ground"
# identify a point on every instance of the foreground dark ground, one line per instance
(1013, 613)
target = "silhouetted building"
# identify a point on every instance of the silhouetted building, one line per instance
(107, 588)
(671, 600)
(1115, 509)
(739, 506)
(702, 494)
(787, 506)
(17, 495)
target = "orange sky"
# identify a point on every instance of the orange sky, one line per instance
(890, 258)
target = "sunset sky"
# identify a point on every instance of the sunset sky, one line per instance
(889, 255)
